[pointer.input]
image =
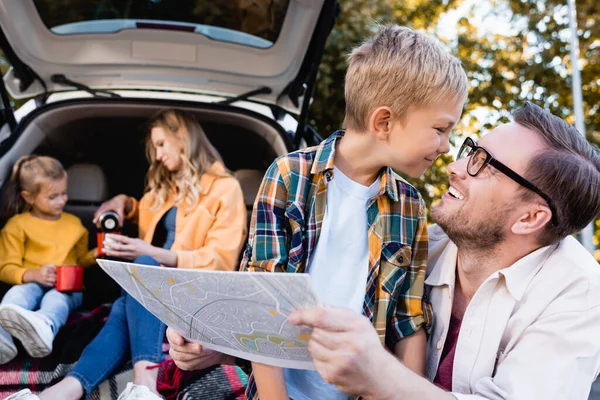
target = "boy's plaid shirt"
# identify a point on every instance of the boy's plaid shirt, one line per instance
(286, 222)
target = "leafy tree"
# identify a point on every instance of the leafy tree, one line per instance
(529, 61)
(527, 58)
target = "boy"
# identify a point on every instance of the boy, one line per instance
(338, 212)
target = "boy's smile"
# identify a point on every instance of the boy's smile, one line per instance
(416, 142)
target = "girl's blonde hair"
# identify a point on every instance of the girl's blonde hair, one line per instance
(197, 156)
(28, 174)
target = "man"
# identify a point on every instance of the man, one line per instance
(516, 300)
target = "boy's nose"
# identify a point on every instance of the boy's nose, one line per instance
(444, 145)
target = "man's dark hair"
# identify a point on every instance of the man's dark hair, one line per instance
(568, 171)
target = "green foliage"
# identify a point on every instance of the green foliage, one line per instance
(529, 61)
(512, 50)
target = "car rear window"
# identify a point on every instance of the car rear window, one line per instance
(255, 23)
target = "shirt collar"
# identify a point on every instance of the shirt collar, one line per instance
(443, 271)
(214, 172)
(325, 156)
(516, 277)
(326, 153)
(519, 275)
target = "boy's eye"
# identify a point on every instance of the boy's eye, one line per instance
(441, 130)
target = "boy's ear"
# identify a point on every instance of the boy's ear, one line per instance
(27, 196)
(380, 122)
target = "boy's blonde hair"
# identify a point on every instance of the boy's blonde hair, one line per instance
(402, 69)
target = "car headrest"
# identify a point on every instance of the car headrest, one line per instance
(87, 183)
(250, 180)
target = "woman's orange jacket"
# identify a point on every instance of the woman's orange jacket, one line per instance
(208, 236)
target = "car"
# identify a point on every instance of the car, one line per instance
(93, 71)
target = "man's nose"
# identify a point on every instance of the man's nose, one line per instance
(458, 168)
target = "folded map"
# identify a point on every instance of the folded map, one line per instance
(243, 314)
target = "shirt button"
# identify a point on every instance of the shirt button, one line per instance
(439, 345)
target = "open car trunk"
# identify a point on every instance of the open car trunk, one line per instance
(110, 136)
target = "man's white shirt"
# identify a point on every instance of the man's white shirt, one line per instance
(531, 331)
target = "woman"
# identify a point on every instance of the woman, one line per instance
(196, 209)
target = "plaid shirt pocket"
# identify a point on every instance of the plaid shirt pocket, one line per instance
(295, 216)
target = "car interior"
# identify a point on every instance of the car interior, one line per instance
(102, 148)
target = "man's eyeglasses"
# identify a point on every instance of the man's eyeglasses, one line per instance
(480, 157)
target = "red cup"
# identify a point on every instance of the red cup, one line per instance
(100, 241)
(69, 278)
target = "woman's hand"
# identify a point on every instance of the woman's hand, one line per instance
(121, 204)
(125, 247)
(192, 356)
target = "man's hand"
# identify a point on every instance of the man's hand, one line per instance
(346, 349)
(46, 275)
(125, 247)
(192, 356)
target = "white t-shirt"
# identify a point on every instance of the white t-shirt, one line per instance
(339, 268)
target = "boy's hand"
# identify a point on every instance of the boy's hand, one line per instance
(345, 348)
(46, 275)
(192, 356)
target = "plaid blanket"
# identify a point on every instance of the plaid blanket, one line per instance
(219, 382)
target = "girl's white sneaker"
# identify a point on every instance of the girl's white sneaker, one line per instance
(8, 350)
(138, 392)
(32, 329)
(24, 394)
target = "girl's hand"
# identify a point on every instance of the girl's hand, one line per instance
(121, 204)
(46, 275)
(126, 247)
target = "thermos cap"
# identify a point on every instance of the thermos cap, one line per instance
(108, 221)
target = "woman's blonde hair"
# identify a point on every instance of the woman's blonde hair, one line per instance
(197, 156)
(28, 174)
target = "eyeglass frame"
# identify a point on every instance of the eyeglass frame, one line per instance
(490, 160)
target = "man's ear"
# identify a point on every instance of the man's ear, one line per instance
(532, 220)
(28, 197)
(380, 122)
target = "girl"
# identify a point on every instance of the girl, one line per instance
(194, 209)
(37, 237)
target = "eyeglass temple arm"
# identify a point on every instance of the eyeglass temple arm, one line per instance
(524, 182)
